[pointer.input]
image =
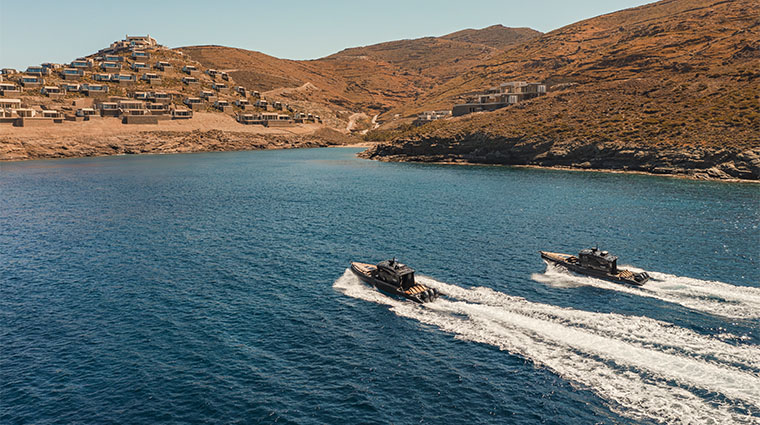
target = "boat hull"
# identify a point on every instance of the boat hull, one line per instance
(417, 293)
(567, 261)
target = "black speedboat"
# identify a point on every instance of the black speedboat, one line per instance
(596, 263)
(394, 278)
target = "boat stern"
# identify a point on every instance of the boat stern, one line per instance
(422, 294)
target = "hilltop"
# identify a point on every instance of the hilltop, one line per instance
(670, 87)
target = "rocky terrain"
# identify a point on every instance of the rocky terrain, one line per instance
(161, 142)
(672, 87)
(370, 79)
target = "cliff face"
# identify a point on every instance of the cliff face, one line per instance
(671, 87)
(697, 162)
(23, 147)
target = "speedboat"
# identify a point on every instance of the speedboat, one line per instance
(596, 263)
(394, 278)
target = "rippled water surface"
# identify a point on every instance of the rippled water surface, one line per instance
(214, 288)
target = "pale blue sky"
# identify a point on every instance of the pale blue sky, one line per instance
(38, 31)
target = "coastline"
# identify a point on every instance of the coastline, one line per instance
(679, 175)
(205, 133)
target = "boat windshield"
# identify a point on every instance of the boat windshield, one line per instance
(407, 280)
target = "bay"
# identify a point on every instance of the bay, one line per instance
(213, 288)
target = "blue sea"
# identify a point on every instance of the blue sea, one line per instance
(213, 288)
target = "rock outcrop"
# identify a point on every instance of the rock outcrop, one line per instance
(697, 162)
(159, 142)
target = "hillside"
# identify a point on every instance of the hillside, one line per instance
(668, 87)
(111, 102)
(494, 36)
(368, 79)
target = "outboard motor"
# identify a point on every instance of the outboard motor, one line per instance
(641, 277)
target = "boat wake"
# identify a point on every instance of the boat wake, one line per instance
(718, 298)
(644, 368)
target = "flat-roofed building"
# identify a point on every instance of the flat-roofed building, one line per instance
(52, 66)
(249, 119)
(163, 65)
(72, 73)
(86, 112)
(37, 70)
(161, 97)
(157, 108)
(9, 89)
(190, 81)
(140, 41)
(113, 58)
(110, 66)
(498, 97)
(50, 113)
(51, 91)
(70, 87)
(210, 96)
(429, 116)
(101, 77)
(190, 70)
(138, 66)
(151, 77)
(241, 90)
(82, 63)
(132, 107)
(31, 81)
(223, 106)
(194, 103)
(220, 87)
(93, 89)
(11, 104)
(141, 95)
(25, 112)
(123, 78)
(108, 109)
(140, 54)
(182, 114)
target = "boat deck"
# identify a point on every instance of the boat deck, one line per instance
(572, 260)
(366, 269)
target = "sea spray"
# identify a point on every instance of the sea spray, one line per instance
(681, 377)
(717, 298)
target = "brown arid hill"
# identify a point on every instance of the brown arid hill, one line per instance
(367, 79)
(671, 87)
(494, 36)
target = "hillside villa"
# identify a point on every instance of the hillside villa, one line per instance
(499, 97)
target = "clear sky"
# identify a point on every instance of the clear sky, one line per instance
(35, 31)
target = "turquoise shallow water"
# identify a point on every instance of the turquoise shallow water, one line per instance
(213, 288)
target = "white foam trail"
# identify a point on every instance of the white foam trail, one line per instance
(718, 298)
(658, 381)
(644, 331)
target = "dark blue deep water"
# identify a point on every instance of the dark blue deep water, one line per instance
(213, 288)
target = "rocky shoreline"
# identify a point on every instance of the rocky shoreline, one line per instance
(714, 163)
(18, 148)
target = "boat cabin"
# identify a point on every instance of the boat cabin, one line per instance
(598, 260)
(395, 273)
